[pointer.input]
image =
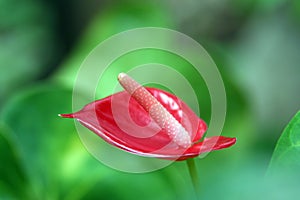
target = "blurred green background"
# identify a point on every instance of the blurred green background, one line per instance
(255, 44)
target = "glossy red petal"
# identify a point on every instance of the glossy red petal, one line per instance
(207, 145)
(122, 122)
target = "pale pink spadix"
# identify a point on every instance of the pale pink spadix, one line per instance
(156, 111)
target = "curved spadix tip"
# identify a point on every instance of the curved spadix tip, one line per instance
(121, 76)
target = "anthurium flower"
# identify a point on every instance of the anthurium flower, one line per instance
(149, 122)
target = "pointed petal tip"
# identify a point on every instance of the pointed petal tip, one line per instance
(232, 141)
(71, 115)
(227, 141)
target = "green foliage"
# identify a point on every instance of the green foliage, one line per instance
(116, 18)
(255, 45)
(27, 43)
(286, 156)
(11, 162)
(45, 142)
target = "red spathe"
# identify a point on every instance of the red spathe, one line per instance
(122, 122)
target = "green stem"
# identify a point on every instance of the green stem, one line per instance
(193, 174)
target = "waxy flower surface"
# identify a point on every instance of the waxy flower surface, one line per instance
(149, 122)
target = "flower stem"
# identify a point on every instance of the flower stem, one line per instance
(193, 174)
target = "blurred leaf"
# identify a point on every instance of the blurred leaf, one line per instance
(116, 18)
(268, 44)
(260, 5)
(286, 155)
(53, 156)
(27, 43)
(249, 183)
(12, 175)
